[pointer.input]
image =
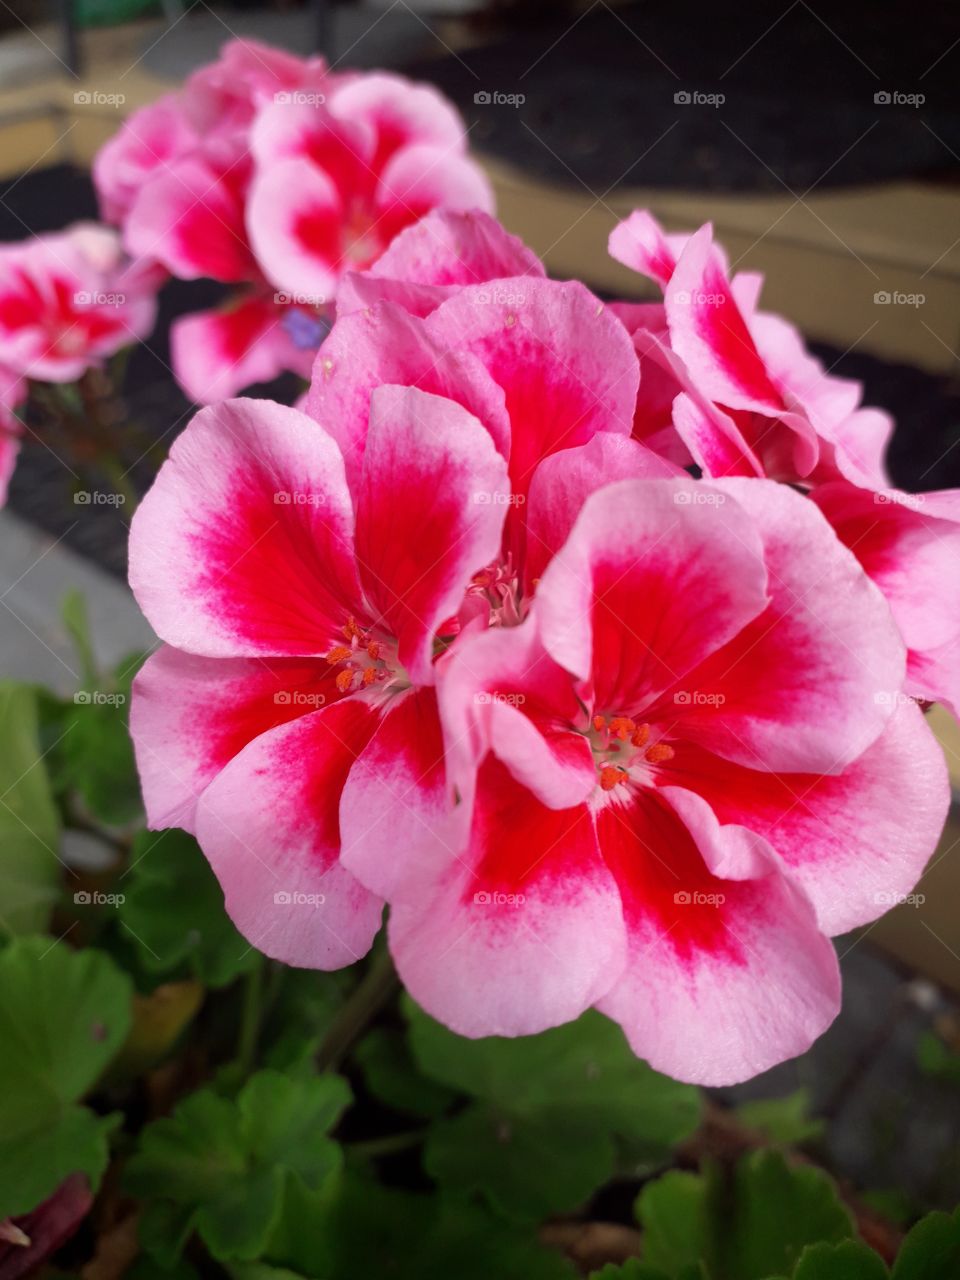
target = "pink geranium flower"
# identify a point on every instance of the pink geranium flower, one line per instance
(69, 300)
(680, 774)
(750, 399)
(270, 173)
(305, 574)
(909, 544)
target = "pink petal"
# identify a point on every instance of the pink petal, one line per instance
(523, 931)
(397, 798)
(343, 149)
(655, 576)
(909, 544)
(224, 95)
(934, 676)
(430, 512)
(501, 691)
(857, 842)
(424, 177)
(725, 977)
(244, 545)
(807, 685)
(448, 248)
(428, 262)
(566, 365)
(151, 138)
(398, 112)
(190, 217)
(387, 345)
(269, 826)
(710, 335)
(295, 218)
(216, 354)
(639, 242)
(190, 716)
(565, 479)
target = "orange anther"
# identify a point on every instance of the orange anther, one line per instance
(351, 630)
(659, 752)
(611, 775)
(621, 727)
(345, 681)
(599, 723)
(641, 736)
(339, 653)
(373, 648)
(370, 674)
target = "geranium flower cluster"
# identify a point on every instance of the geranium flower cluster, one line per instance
(68, 301)
(276, 174)
(468, 640)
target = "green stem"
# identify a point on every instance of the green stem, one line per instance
(387, 1146)
(250, 1019)
(369, 996)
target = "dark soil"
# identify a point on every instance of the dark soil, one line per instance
(798, 83)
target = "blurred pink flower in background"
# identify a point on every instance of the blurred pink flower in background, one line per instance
(69, 300)
(269, 172)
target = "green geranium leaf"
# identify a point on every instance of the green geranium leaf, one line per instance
(777, 1209)
(63, 1016)
(754, 1226)
(95, 754)
(221, 1167)
(527, 1167)
(541, 1134)
(785, 1121)
(29, 824)
(851, 1260)
(173, 910)
(355, 1227)
(392, 1076)
(673, 1212)
(931, 1250)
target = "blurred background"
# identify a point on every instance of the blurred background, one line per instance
(822, 140)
